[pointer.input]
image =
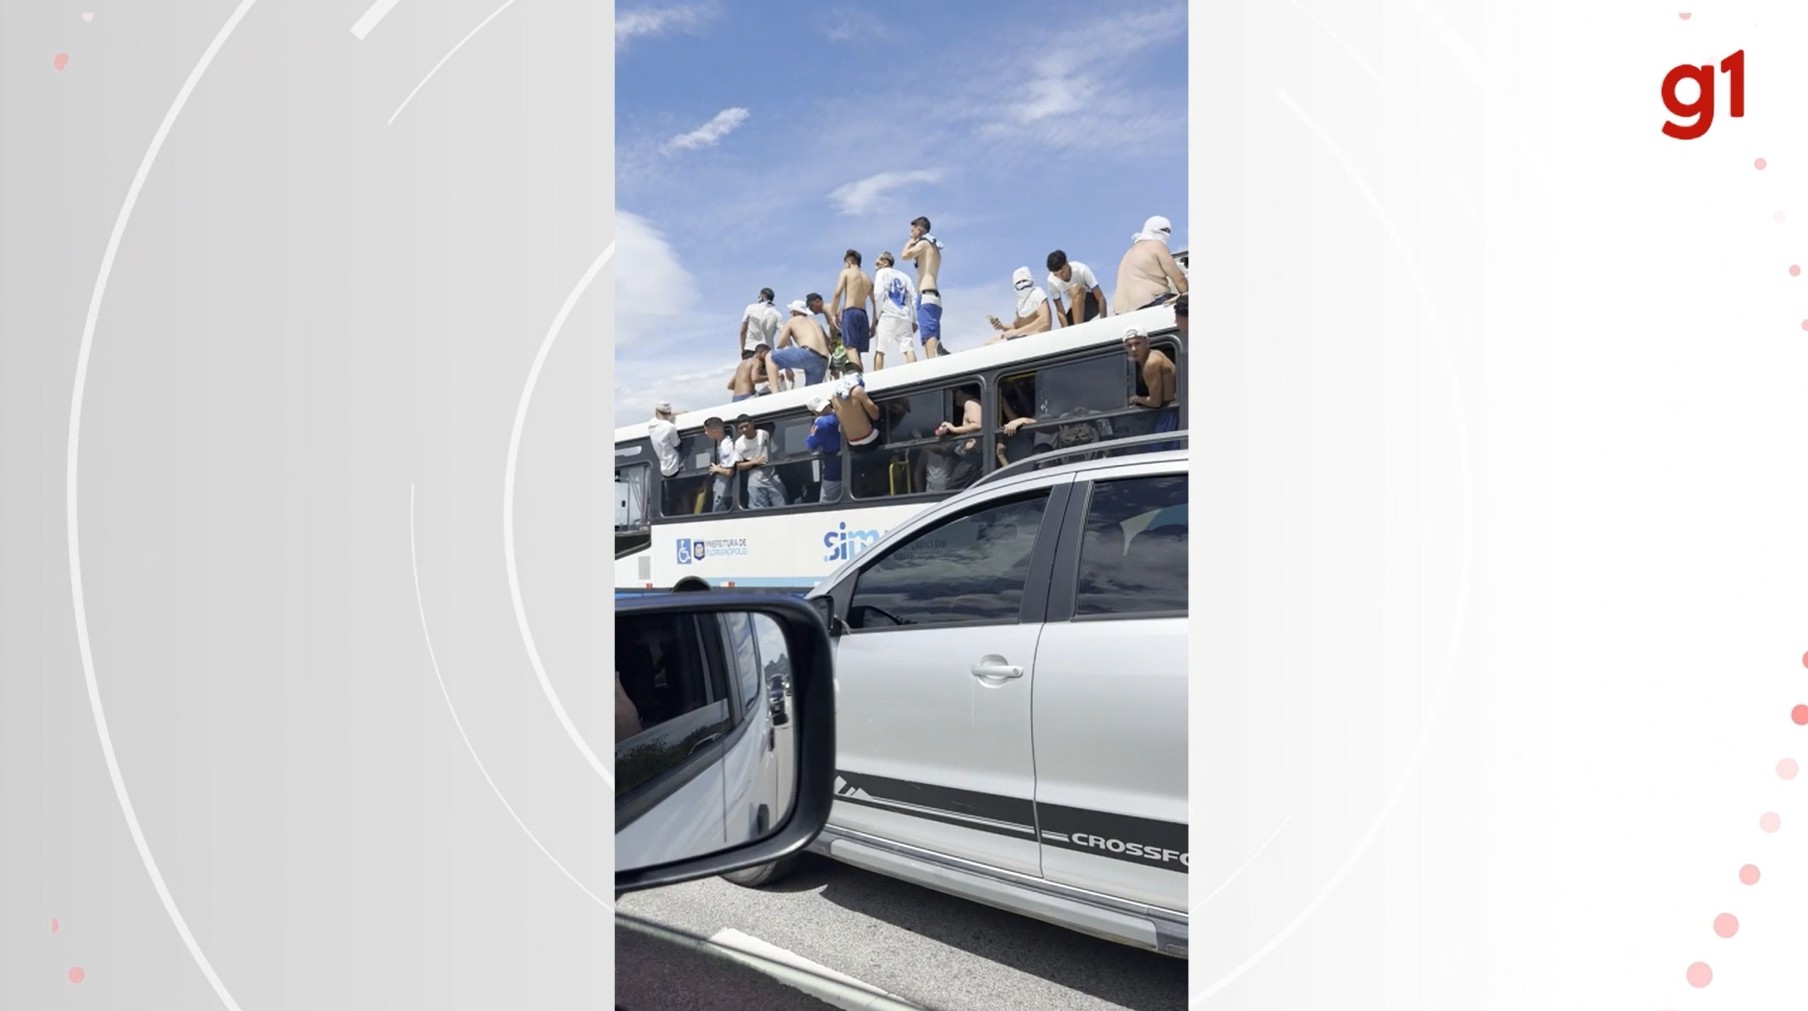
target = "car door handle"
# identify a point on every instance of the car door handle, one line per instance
(706, 742)
(994, 666)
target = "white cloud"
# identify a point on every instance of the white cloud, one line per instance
(853, 24)
(1075, 98)
(631, 25)
(863, 195)
(653, 289)
(709, 134)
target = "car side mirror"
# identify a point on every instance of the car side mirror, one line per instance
(714, 770)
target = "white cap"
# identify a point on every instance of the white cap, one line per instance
(817, 403)
(799, 307)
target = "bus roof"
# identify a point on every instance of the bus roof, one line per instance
(1104, 331)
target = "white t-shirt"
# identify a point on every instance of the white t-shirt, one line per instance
(665, 443)
(763, 320)
(752, 449)
(1074, 291)
(895, 293)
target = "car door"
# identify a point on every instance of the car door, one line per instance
(934, 679)
(1110, 712)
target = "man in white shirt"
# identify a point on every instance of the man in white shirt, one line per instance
(1075, 289)
(764, 489)
(759, 323)
(663, 431)
(895, 295)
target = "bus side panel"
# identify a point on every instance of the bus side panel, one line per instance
(790, 549)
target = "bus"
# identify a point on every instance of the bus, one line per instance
(1072, 384)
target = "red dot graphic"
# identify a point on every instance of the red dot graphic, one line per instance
(1726, 924)
(1749, 874)
(76, 975)
(1795, 270)
(1770, 822)
(53, 924)
(1787, 768)
(1700, 975)
(1800, 715)
(1759, 164)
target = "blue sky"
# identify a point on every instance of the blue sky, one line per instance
(757, 142)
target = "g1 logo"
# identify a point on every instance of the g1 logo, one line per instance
(1702, 109)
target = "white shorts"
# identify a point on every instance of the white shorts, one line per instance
(893, 337)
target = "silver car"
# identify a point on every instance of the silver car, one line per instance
(1011, 691)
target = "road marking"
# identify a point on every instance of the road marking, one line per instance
(809, 976)
(378, 11)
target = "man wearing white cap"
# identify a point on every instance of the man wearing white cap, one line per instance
(1147, 269)
(894, 331)
(825, 439)
(802, 345)
(1034, 313)
(663, 432)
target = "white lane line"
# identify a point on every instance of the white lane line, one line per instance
(442, 60)
(738, 945)
(378, 11)
(73, 514)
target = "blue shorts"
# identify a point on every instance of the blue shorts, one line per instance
(929, 319)
(854, 330)
(815, 367)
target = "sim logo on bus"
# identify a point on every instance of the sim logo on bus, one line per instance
(844, 544)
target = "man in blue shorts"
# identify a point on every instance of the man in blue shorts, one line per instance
(848, 304)
(925, 250)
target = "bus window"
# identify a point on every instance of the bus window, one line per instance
(688, 492)
(911, 458)
(631, 488)
(798, 468)
(1072, 404)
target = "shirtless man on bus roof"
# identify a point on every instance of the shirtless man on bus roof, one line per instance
(1147, 269)
(925, 250)
(849, 305)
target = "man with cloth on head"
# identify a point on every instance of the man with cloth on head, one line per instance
(1147, 269)
(1034, 312)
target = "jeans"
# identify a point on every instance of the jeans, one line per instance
(815, 367)
(767, 494)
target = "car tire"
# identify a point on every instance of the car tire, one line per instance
(764, 874)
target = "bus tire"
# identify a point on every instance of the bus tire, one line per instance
(764, 874)
(689, 583)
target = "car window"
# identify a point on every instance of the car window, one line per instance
(668, 701)
(970, 569)
(739, 631)
(775, 653)
(1133, 556)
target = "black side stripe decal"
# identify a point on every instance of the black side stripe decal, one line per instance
(1143, 841)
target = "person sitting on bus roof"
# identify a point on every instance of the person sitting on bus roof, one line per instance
(802, 345)
(750, 374)
(764, 489)
(1148, 272)
(895, 329)
(857, 289)
(721, 464)
(1034, 314)
(664, 435)
(855, 412)
(825, 438)
(1075, 289)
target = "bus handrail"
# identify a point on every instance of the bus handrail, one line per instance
(1156, 442)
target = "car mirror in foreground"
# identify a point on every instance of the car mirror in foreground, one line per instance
(724, 734)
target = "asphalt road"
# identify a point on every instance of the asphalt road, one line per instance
(928, 948)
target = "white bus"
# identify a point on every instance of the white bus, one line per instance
(1075, 382)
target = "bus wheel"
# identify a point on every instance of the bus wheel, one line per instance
(689, 583)
(765, 874)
